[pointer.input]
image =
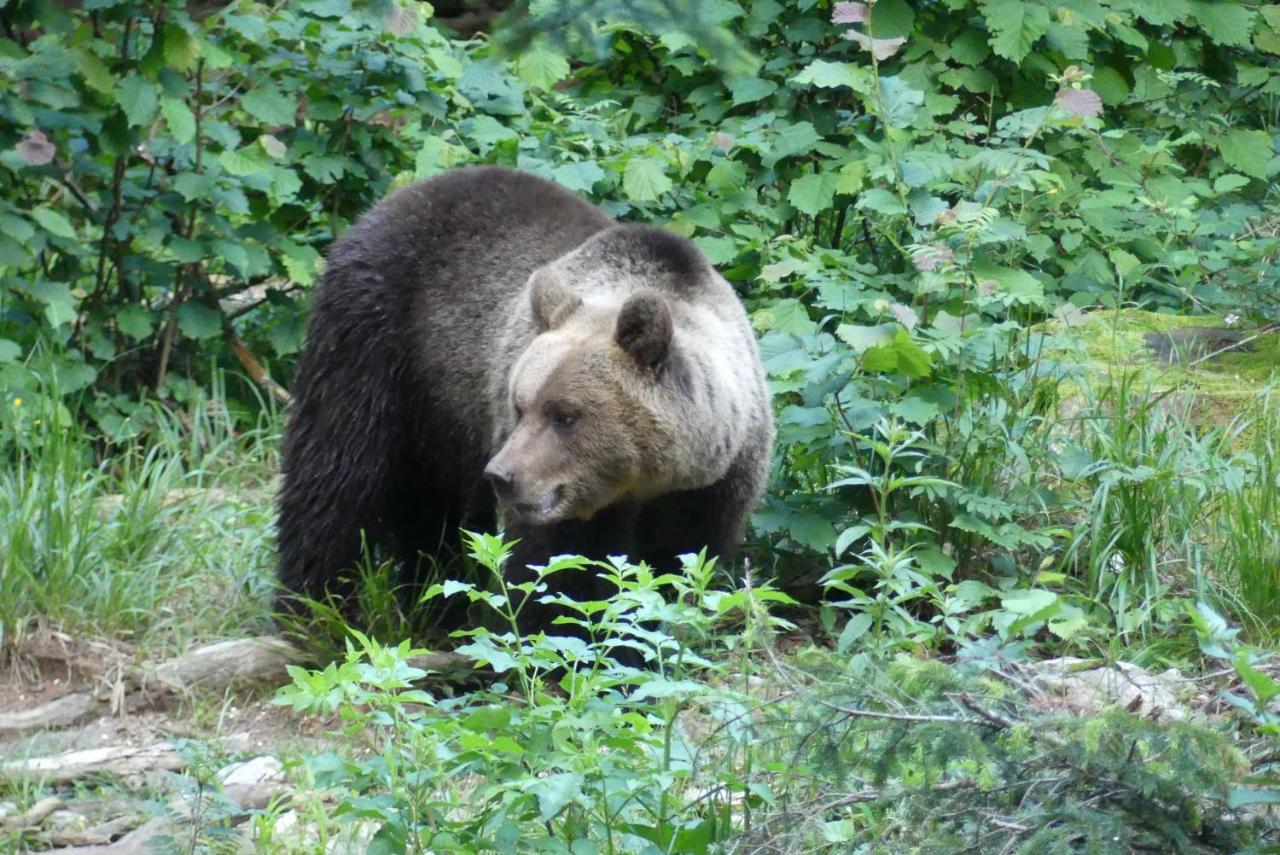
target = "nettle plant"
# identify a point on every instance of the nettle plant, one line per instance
(593, 756)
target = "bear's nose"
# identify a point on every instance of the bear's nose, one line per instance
(502, 479)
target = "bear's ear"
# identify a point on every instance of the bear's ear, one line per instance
(644, 329)
(550, 299)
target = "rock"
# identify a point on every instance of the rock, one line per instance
(1085, 690)
(256, 770)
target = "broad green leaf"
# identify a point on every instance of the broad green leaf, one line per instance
(1161, 13)
(727, 175)
(746, 90)
(900, 356)
(541, 66)
(198, 321)
(554, 792)
(645, 179)
(53, 222)
(1015, 26)
(9, 351)
(1027, 602)
(788, 315)
(1226, 23)
(180, 49)
(134, 322)
(901, 101)
(863, 338)
(580, 176)
(179, 118)
(1248, 151)
(16, 227)
(246, 161)
(138, 98)
(891, 19)
(59, 303)
(269, 105)
(94, 71)
(813, 194)
(830, 75)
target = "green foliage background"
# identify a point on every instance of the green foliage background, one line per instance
(903, 193)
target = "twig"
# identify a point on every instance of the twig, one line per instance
(934, 719)
(991, 717)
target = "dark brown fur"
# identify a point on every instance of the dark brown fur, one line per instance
(648, 432)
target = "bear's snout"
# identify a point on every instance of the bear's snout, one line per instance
(502, 478)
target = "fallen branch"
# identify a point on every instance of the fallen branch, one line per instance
(32, 816)
(254, 368)
(74, 765)
(216, 666)
(60, 712)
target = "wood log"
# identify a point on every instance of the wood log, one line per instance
(216, 666)
(60, 712)
(74, 765)
(32, 816)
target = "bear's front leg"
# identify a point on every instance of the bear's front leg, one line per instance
(609, 532)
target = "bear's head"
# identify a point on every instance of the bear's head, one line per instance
(590, 424)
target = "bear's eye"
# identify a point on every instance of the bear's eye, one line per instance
(564, 421)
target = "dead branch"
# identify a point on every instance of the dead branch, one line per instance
(60, 712)
(116, 760)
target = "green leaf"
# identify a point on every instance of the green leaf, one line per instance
(1226, 23)
(788, 315)
(1027, 602)
(579, 177)
(1248, 151)
(179, 118)
(138, 98)
(59, 303)
(901, 102)
(94, 72)
(645, 179)
(891, 19)
(900, 356)
(1015, 26)
(1018, 286)
(862, 338)
(1229, 182)
(830, 75)
(746, 90)
(180, 49)
(556, 791)
(853, 630)
(813, 194)
(727, 175)
(269, 105)
(53, 222)
(134, 322)
(245, 161)
(9, 351)
(198, 321)
(541, 66)
(16, 227)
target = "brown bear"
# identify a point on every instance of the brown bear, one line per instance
(486, 325)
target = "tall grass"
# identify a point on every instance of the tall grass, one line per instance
(1245, 539)
(160, 538)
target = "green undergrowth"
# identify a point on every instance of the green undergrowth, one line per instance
(163, 541)
(717, 744)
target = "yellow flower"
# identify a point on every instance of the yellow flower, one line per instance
(17, 402)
